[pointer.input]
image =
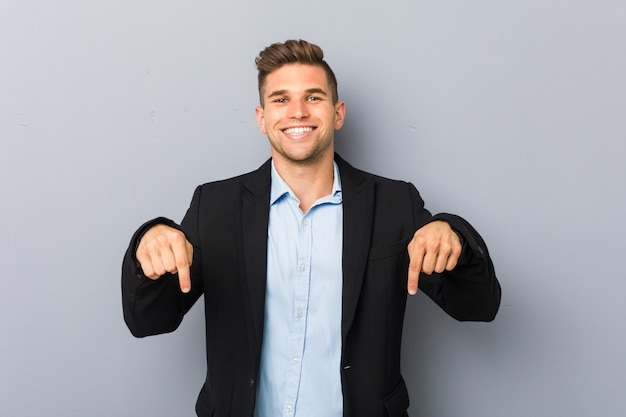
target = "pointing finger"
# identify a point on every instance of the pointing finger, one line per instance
(416, 256)
(184, 256)
(184, 279)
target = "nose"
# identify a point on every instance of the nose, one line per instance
(298, 110)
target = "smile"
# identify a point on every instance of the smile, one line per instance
(296, 131)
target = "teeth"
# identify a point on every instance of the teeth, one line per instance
(298, 130)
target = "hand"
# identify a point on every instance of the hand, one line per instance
(435, 247)
(165, 249)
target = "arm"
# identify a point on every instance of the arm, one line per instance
(161, 275)
(450, 262)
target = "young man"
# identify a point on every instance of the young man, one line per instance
(304, 265)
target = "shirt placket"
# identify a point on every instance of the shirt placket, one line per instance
(299, 313)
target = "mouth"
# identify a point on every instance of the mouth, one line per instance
(298, 132)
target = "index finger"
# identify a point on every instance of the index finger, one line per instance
(184, 279)
(184, 256)
(416, 257)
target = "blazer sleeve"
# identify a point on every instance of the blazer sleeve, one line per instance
(470, 292)
(158, 306)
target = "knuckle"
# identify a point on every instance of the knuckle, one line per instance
(445, 247)
(161, 239)
(177, 237)
(182, 263)
(141, 254)
(147, 270)
(420, 241)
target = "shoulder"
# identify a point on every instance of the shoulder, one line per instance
(256, 181)
(356, 177)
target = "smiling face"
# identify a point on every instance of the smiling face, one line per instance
(299, 116)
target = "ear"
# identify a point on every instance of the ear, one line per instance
(340, 114)
(260, 119)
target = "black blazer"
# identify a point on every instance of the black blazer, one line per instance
(227, 225)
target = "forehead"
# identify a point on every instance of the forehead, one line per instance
(296, 77)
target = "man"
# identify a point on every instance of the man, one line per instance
(304, 265)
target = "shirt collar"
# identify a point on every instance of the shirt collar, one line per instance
(279, 187)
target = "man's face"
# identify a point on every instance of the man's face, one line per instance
(299, 117)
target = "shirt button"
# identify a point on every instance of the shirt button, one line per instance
(300, 313)
(303, 267)
(295, 361)
(305, 222)
(289, 408)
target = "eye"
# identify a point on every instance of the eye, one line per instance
(280, 100)
(313, 98)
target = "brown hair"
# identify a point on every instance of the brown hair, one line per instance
(293, 52)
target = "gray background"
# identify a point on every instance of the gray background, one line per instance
(510, 113)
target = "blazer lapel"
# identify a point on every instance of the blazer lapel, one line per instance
(254, 218)
(358, 212)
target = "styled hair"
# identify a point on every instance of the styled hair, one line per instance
(293, 52)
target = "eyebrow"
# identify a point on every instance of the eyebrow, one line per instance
(308, 91)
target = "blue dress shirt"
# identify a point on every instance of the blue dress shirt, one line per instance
(301, 354)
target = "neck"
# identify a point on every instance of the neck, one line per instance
(309, 182)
